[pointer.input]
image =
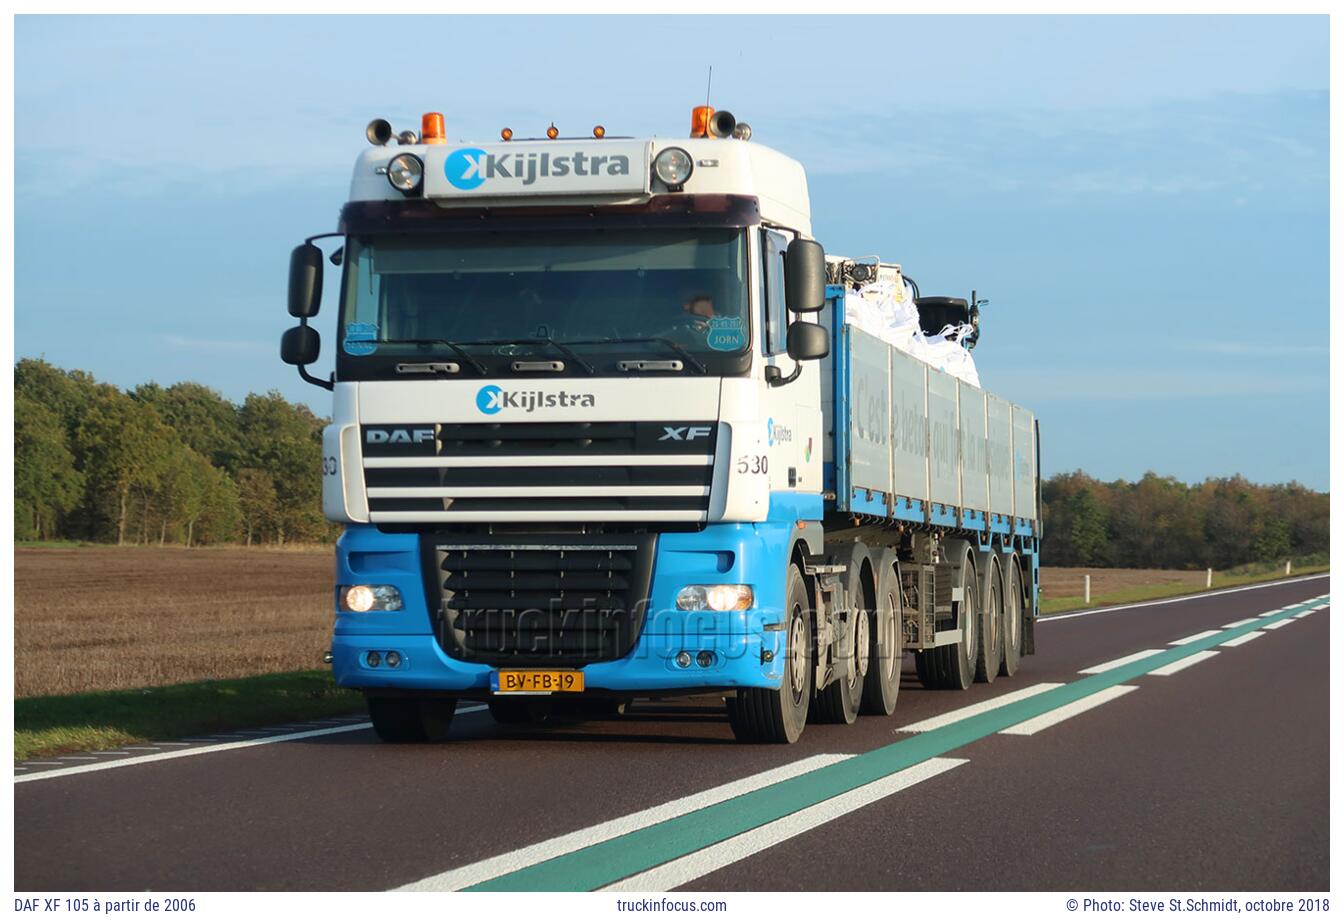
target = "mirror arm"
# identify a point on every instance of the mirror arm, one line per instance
(317, 381)
(322, 236)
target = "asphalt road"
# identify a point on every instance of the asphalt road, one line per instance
(1201, 767)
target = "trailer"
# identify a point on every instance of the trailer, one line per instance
(601, 432)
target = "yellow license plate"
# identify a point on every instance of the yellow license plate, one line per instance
(537, 682)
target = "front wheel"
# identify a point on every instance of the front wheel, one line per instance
(402, 720)
(758, 714)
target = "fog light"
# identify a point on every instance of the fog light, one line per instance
(704, 659)
(373, 659)
(393, 659)
(683, 659)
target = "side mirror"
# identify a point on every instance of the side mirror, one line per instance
(305, 281)
(805, 276)
(300, 345)
(808, 341)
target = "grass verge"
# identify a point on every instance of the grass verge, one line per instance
(47, 725)
(1158, 592)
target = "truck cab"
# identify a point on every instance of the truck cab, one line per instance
(578, 436)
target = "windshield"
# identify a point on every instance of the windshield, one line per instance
(547, 294)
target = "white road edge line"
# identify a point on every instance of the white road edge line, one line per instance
(975, 709)
(203, 749)
(1242, 640)
(1176, 600)
(1068, 711)
(692, 866)
(1196, 637)
(1244, 622)
(1182, 663)
(1121, 662)
(495, 866)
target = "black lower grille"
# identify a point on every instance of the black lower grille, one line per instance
(560, 600)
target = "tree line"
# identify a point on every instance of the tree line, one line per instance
(178, 464)
(182, 464)
(1163, 523)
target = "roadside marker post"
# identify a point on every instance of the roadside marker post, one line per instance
(1208, 578)
(1087, 590)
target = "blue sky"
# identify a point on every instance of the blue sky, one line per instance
(1142, 199)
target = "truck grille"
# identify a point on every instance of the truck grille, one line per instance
(534, 471)
(556, 600)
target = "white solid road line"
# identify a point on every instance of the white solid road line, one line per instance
(1242, 640)
(1068, 711)
(1196, 637)
(1279, 624)
(1182, 663)
(1121, 662)
(1244, 622)
(203, 749)
(1177, 600)
(692, 866)
(975, 709)
(495, 866)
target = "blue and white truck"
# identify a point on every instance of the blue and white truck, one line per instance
(600, 432)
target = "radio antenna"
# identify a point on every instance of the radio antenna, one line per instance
(708, 83)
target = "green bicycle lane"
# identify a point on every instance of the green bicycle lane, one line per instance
(607, 862)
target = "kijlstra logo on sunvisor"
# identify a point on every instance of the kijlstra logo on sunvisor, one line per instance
(468, 168)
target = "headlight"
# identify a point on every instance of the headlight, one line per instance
(673, 167)
(364, 598)
(720, 598)
(405, 172)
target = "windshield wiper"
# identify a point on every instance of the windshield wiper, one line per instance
(663, 340)
(538, 340)
(457, 350)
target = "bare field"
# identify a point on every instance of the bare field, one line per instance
(104, 618)
(1068, 582)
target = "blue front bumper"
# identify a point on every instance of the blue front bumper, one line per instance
(740, 642)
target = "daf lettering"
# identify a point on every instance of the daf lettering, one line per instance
(400, 436)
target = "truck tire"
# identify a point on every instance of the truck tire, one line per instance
(990, 656)
(761, 715)
(839, 701)
(883, 681)
(952, 667)
(1012, 616)
(410, 720)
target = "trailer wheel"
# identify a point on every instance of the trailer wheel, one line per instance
(952, 667)
(778, 716)
(839, 701)
(990, 656)
(402, 720)
(1012, 617)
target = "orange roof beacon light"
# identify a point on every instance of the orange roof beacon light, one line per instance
(506, 134)
(700, 120)
(431, 128)
(599, 131)
(552, 132)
